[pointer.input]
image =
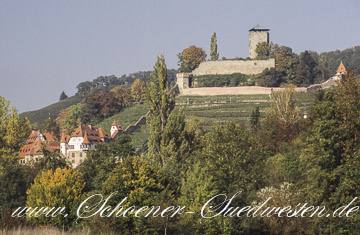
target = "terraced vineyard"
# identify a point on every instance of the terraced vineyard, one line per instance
(216, 110)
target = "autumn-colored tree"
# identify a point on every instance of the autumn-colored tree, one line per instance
(109, 103)
(62, 188)
(190, 58)
(138, 91)
(122, 95)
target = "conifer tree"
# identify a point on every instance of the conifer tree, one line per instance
(63, 96)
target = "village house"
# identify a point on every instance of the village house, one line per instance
(73, 147)
(85, 138)
(31, 151)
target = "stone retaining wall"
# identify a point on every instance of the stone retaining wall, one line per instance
(243, 90)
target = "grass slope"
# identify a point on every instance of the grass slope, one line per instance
(126, 117)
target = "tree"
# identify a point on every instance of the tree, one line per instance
(330, 161)
(283, 116)
(51, 126)
(169, 143)
(122, 147)
(141, 184)
(63, 96)
(122, 96)
(138, 91)
(263, 50)
(12, 134)
(213, 48)
(12, 131)
(230, 153)
(96, 168)
(159, 101)
(306, 71)
(51, 160)
(230, 161)
(270, 78)
(255, 118)
(190, 58)
(281, 197)
(69, 118)
(12, 185)
(59, 188)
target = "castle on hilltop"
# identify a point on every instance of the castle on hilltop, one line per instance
(250, 66)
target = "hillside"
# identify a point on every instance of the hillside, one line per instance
(52, 111)
(126, 117)
(216, 110)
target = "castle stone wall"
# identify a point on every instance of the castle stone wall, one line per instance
(233, 66)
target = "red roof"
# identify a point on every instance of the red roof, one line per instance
(49, 137)
(86, 139)
(116, 123)
(35, 148)
(64, 138)
(34, 135)
(91, 134)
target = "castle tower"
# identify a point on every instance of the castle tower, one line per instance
(115, 128)
(183, 80)
(257, 35)
(63, 143)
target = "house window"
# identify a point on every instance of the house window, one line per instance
(73, 155)
(73, 161)
(80, 155)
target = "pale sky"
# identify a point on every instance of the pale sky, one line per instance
(52, 45)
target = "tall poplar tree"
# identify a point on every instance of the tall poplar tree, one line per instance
(169, 142)
(213, 48)
(160, 105)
